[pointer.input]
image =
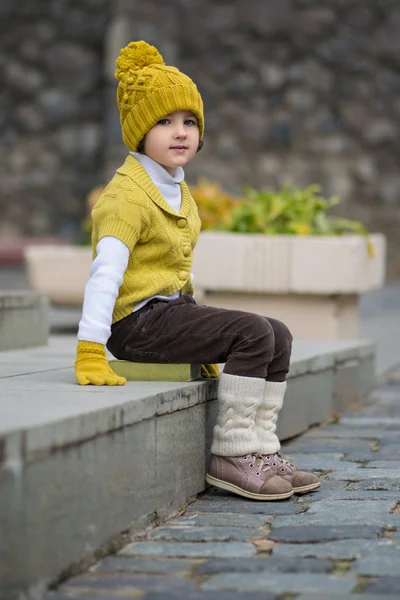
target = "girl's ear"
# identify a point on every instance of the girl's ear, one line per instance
(199, 147)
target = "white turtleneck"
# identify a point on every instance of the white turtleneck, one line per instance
(166, 183)
(108, 268)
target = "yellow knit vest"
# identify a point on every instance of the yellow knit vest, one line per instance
(161, 241)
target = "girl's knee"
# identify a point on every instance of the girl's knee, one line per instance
(282, 333)
(259, 327)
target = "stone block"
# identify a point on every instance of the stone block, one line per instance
(361, 596)
(160, 566)
(389, 441)
(198, 519)
(385, 564)
(327, 444)
(348, 508)
(23, 320)
(241, 506)
(385, 395)
(362, 456)
(76, 595)
(281, 583)
(123, 583)
(322, 493)
(357, 420)
(230, 595)
(362, 474)
(383, 586)
(345, 494)
(333, 518)
(388, 452)
(267, 563)
(323, 533)
(378, 483)
(383, 465)
(190, 549)
(334, 550)
(317, 462)
(185, 533)
(343, 433)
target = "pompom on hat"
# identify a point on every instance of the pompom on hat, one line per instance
(148, 90)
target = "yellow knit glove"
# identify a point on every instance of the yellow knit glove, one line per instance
(91, 366)
(210, 371)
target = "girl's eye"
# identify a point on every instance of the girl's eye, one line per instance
(163, 122)
(190, 122)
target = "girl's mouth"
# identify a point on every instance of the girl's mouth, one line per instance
(179, 149)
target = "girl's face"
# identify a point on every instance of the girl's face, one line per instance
(173, 141)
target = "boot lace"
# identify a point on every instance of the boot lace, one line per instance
(257, 460)
(276, 459)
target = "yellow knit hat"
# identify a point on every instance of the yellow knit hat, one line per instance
(148, 90)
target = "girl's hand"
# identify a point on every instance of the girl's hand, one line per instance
(91, 366)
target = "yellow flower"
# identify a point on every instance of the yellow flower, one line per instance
(215, 204)
(93, 196)
(300, 228)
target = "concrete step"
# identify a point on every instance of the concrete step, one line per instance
(23, 320)
(80, 465)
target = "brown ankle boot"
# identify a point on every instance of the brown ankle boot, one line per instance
(249, 476)
(301, 481)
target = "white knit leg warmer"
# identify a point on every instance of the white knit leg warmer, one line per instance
(267, 416)
(235, 431)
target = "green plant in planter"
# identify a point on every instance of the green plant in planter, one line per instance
(288, 211)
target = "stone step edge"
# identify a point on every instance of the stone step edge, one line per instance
(40, 440)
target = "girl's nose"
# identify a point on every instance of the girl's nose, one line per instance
(180, 131)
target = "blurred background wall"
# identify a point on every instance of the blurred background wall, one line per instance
(52, 108)
(294, 90)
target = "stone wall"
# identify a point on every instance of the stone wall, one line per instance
(294, 90)
(51, 112)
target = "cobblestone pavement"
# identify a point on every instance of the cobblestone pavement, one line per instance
(342, 541)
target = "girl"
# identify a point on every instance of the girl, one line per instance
(139, 299)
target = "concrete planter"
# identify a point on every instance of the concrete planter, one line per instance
(311, 283)
(61, 272)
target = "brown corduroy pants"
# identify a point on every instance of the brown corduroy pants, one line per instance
(181, 331)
